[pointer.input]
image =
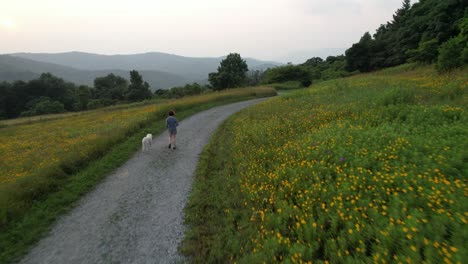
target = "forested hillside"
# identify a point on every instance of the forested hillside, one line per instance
(421, 32)
(429, 31)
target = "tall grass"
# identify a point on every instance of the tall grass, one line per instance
(290, 85)
(367, 169)
(47, 165)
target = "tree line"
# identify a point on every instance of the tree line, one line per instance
(50, 94)
(429, 31)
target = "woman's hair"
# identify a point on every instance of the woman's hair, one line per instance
(171, 113)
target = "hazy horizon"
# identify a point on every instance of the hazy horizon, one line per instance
(275, 30)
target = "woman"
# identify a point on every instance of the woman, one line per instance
(171, 124)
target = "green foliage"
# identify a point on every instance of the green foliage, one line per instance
(83, 94)
(4, 95)
(426, 52)
(201, 244)
(450, 55)
(254, 77)
(287, 73)
(19, 98)
(454, 52)
(110, 87)
(358, 56)
(290, 85)
(179, 92)
(138, 90)
(42, 106)
(298, 76)
(231, 73)
(99, 103)
(334, 67)
(409, 35)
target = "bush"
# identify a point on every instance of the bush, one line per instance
(181, 91)
(44, 105)
(425, 53)
(450, 55)
(287, 73)
(465, 55)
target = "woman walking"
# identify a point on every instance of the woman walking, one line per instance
(171, 124)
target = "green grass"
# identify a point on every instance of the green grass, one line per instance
(367, 169)
(290, 85)
(60, 194)
(211, 228)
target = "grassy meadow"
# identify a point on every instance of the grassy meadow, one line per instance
(45, 165)
(367, 169)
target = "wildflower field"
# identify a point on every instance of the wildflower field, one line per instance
(367, 169)
(41, 158)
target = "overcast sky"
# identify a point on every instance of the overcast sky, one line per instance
(282, 30)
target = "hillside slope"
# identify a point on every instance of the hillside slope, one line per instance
(367, 169)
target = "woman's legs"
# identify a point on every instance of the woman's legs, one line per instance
(173, 140)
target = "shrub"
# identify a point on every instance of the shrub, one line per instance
(426, 52)
(450, 55)
(44, 105)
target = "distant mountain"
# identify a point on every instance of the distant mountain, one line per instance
(14, 68)
(193, 69)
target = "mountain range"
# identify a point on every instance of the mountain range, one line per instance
(160, 70)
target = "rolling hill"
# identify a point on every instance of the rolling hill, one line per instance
(168, 66)
(15, 68)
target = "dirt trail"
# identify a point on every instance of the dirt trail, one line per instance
(136, 214)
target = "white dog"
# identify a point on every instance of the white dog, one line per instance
(146, 142)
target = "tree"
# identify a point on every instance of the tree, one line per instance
(454, 52)
(413, 27)
(138, 90)
(450, 55)
(401, 12)
(83, 94)
(160, 92)
(110, 87)
(5, 89)
(425, 53)
(43, 105)
(313, 62)
(181, 91)
(254, 77)
(231, 73)
(55, 88)
(358, 56)
(288, 73)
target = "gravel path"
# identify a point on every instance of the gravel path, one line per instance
(136, 214)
